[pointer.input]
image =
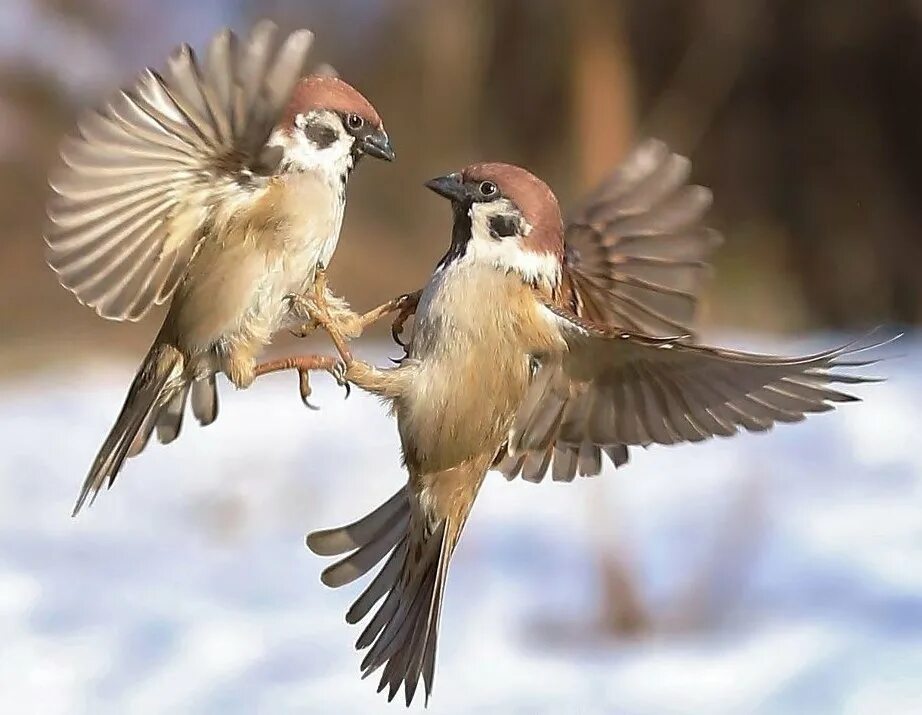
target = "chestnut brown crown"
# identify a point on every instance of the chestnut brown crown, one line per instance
(331, 93)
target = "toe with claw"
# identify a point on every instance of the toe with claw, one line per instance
(406, 306)
(310, 308)
(338, 371)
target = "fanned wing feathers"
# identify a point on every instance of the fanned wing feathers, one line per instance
(636, 250)
(636, 257)
(614, 388)
(133, 193)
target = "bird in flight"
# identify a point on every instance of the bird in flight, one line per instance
(537, 346)
(219, 186)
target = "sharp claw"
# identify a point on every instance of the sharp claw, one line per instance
(338, 371)
(304, 386)
(396, 330)
(406, 306)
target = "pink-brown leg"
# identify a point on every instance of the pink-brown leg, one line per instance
(304, 364)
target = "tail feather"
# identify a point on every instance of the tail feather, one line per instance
(382, 617)
(143, 436)
(332, 542)
(363, 559)
(169, 418)
(205, 400)
(415, 585)
(402, 634)
(162, 364)
(382, 583)
(414, 643)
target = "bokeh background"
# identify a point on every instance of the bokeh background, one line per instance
(777, 573)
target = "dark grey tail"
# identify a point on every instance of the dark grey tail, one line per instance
(167, 418)
(403, 633)
(149, 391)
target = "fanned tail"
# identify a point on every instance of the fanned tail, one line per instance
(403, 632)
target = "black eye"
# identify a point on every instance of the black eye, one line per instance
(354, 121)
(488, 188)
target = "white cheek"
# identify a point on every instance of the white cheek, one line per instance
(506, 253)
(334, 160)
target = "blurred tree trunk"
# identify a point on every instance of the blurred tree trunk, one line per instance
(602, 86)
(603, 123)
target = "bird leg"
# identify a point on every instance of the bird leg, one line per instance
(385, 383)
(317, 308)
(404, 306)
(352, 324)
(304, 364)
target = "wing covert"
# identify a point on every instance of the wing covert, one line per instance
(615, 389)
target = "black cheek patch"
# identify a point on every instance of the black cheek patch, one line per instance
(320, 134)
(503, 226)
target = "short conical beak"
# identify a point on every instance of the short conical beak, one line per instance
(378, 145)
(450, 186)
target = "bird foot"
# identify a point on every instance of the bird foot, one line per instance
(305, 364)
(405, 306)
(315, 307)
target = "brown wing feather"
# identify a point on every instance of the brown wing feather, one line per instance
(624, 389)
(636, 257)
(636, 250)
(133, 192)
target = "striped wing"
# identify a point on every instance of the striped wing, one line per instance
(615, 389)
(139, 178)
(637, 254)
(637, 250)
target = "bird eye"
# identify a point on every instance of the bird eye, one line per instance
(355, 121)
(488, 188)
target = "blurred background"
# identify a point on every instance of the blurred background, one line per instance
(778, 573)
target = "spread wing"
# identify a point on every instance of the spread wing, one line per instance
(140, 177)
(637, 254)
(637, 250)
(612, 389)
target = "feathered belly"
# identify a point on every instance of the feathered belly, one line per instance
(269, 311)
(471, 347)
(460, 409)
(239, 302)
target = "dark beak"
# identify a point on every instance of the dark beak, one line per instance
(450, 186)
(378, 145)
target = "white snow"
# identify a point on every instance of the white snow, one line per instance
(782, 572)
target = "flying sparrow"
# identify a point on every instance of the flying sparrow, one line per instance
(513, 366)
(220, 187)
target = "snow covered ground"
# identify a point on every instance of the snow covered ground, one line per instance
(783, 572)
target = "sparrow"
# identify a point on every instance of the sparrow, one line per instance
(529, 354)
(219, 186)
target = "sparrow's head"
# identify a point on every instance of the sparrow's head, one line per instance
(328, 125)
(505, 217)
